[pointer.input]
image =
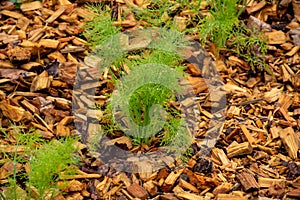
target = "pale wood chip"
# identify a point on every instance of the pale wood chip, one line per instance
(35, 5)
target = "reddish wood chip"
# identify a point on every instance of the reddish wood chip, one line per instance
(137, 191)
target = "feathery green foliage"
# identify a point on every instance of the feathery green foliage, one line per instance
(250, 46)
(219, 24)
(142, 125)
(46, 161)
(49, 161)
(101, 27)
(29, 141)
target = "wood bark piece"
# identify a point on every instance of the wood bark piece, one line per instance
(294, 193)
(193, 69)
(56, 14)
(18, 53)
(235, 149)
(74, 186)
(121, 140)
(249, 137)
(30, 65)
(60, 102)
(122, 177)
(151, 188)
(62, 131)
(296, 81)
(293, 51)
(170, 180)
(41, 82)
(286, 115)
(296, 7)
(80, 176)
(31, 6)
(275, 37)
(30, 107)
(198, 84)
(67, 72)
(286, 75)
(275, 132)
(127, 194)
(14, 113)
(267, 182)
(103, 186)
(220, 155)
(13, 149)
(137, 191)
(35, 36)
(231, 88)
(12, 74)
(23, 23)
(287, 46)
(222, 189)
(189, 196)
(49, 43)
(64, 2)
(188, 186)
(256, 7)
(233, 111)
(6, 64)
(43, 122)
(111, 192)
(57, 55)
(248, 181)
(11, 14)
(229, 197)
(8, 168)
(84, 13)
(144, 168)
(72, 49)
(291, 141)
(10, 38)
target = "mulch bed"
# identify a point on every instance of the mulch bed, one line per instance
(255, 157)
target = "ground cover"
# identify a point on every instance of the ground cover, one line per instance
(233, 135)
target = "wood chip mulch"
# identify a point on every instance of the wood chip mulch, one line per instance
(256, 156)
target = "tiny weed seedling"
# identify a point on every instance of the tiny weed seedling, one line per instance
(251, 47)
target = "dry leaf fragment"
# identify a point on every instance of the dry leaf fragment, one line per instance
(295, 35)
(257, 25)
(11, 73)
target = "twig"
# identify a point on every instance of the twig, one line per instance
(248, 102)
